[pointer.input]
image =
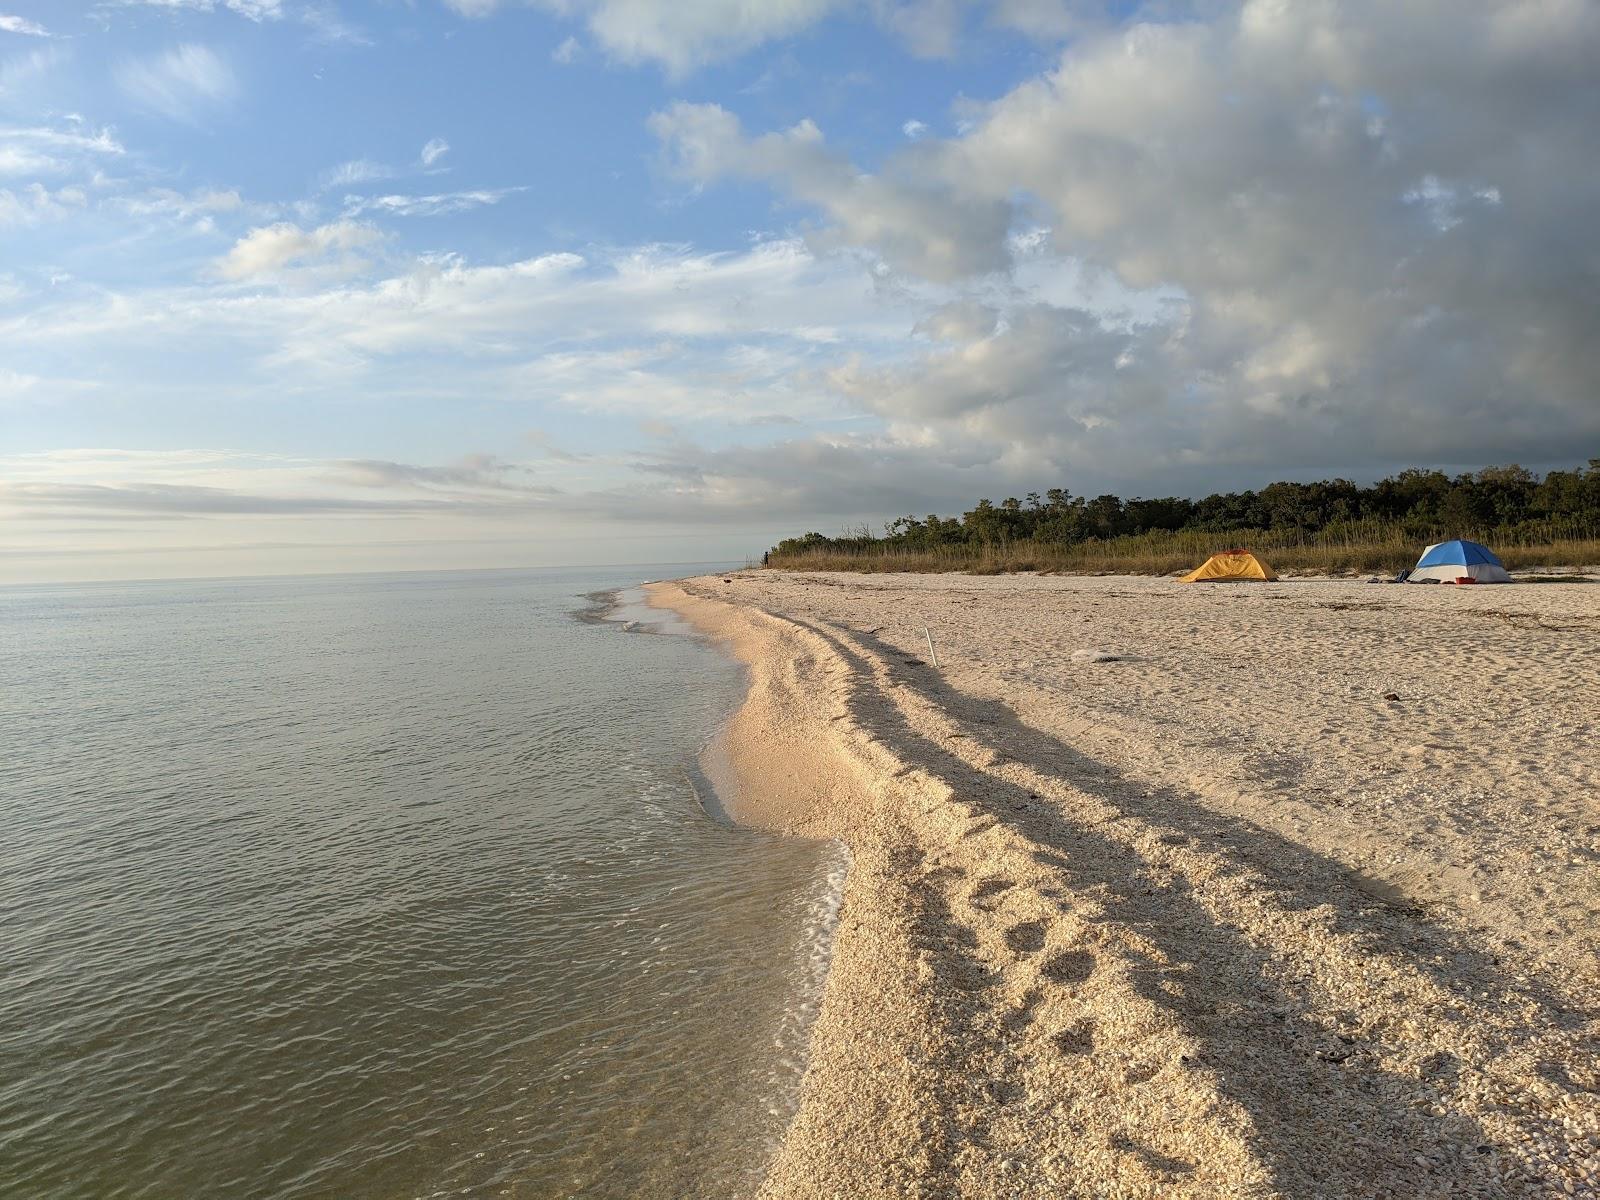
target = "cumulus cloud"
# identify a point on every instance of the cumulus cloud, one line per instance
(181, 83)
(917, 216)
(1365, 211)
(272, 250)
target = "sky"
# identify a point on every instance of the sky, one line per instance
(322, 285)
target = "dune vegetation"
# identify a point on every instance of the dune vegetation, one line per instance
(1325, 527)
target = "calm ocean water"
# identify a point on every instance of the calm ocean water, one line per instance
(382, 886)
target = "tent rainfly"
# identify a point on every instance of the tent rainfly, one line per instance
(1229, 566)
(1446, 562)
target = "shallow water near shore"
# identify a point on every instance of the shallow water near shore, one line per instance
(382, 886)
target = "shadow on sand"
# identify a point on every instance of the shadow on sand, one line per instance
(1301, 1073)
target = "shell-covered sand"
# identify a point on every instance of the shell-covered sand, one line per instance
(1232, 890)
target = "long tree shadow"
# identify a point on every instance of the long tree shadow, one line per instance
(1297, 1076)
(1295, 876)
(957, 979)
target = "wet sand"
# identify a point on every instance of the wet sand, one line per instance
(1252, 890)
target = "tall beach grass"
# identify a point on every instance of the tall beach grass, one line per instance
(1366, 547)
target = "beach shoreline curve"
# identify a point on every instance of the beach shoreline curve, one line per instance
(1052, 975)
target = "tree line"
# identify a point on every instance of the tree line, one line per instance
(1424, 504)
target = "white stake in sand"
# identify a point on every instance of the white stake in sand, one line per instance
(931, 654)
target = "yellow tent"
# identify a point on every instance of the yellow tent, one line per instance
(1229, 565)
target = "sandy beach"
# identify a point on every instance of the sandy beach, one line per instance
(1243, 890)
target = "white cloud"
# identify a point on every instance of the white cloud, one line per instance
(164, 202)
(676, 379)
(10, 24)
(433, 150)
(683, 34)
(919, 219)
(254, 10)
(272, 250)
(180, 84)
(330, 28)
(928, 28)
(16, 386)
(747, 327)
(101, 142)
(356, 171)
(21, 160)
(35, 203)
(567, 52)
(41, 150)
(913, 129)
(426, 206)
(1353, 210)
(19, 71)
(1049, 19)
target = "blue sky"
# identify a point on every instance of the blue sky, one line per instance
(306, 286)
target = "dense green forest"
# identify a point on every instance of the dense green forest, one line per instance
(1508, 505)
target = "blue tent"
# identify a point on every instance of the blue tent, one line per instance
(1447, 562)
